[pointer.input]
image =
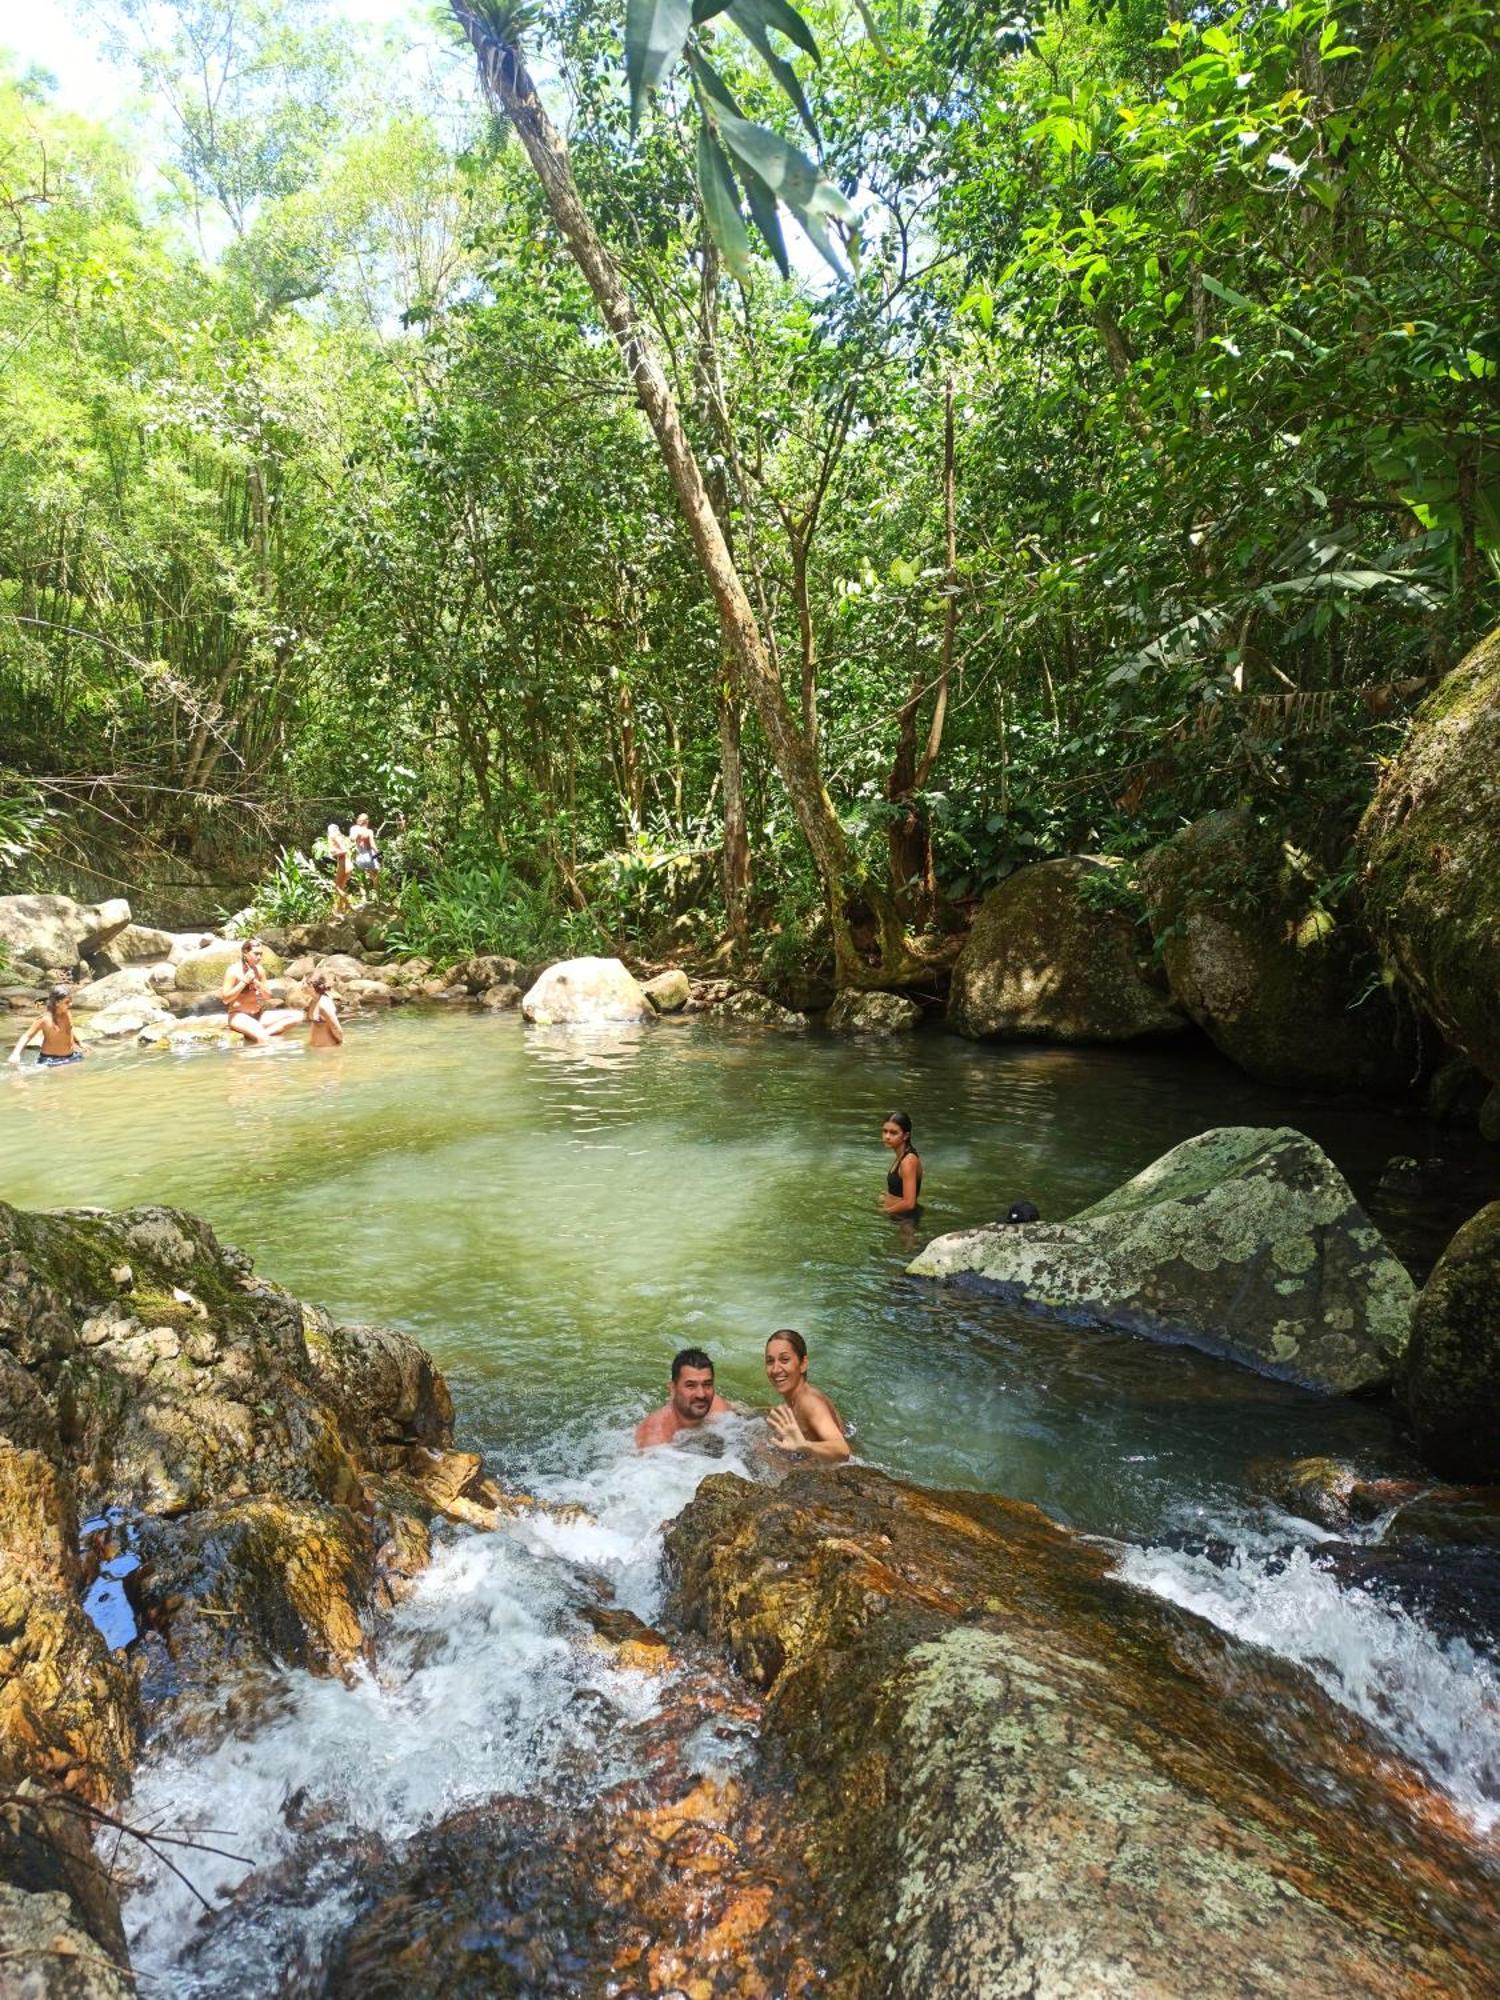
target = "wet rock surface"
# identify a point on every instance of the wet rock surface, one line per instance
(874, 1014)
(1244, 1241)
(1021, 1776)
(1042, 962)
(581, 992)
(752, 1009)
(257, 1455)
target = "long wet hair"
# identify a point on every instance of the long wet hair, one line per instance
(793, 1340)
(901, 1118)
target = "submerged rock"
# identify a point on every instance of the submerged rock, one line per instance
(874, 1014)
(1025, 1777)
(581, 992)
(1243, 1241)
(1452, 1374)
(1042, 962)
(1290, 995)
(1430, 844)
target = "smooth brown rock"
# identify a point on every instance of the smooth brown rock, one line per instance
(1025, 1777)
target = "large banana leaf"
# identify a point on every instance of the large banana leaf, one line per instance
(655, 31)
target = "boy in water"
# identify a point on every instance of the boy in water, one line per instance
(55, 1027)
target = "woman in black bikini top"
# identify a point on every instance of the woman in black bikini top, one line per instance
(904, 1181)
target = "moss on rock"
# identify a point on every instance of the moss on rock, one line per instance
(1452, 1373)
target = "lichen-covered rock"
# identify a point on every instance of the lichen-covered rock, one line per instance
(1243, 1241)
(203, 971)
(1041, 961)
(479, 974)
(47, 1954)
(757, 1010)
(670, 991)
(1025, 1777)
(1288, 994)
(500, 999)
(1452, 1372)
(52, 931)
(1430, 847)
(581, 992)
(855, 1013)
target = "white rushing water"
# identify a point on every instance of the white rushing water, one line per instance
(486, 1685)
(1436, 1701)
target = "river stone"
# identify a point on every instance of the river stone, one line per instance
(1243, 1241)
(498, 999)
(48, 1954)
(670, 991)
(1026, 1777)
(581, 991)
(55, 931)
(479, 974)
(203, 971)
(757, 1010)
(127, 1019)
(1452, 1373)
(1042, 962)
(1290, 997)
(855, 1013)
(1430, 847)
(135, 982)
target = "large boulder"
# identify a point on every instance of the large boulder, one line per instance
(1026, 1777)
(55, 931)
(854, 1013)
(1430, 847)
(1243, 1241)
(1452, 1372)
(480, 974)
(582, 991)
(203, 971)
(1042, 961)
(125, 1020)
(1283, 990)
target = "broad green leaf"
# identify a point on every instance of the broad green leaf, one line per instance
(721, 203)
(655, 31)
(786, 171)
(711, 81)
(778, 14)
(767, 217)
(744, 13)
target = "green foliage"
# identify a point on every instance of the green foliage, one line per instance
(467, 907)
(294, 891)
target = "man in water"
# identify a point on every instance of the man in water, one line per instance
(693, 1400)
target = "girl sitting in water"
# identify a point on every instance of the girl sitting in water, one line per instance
(322, 1015)
(55, 1027)
(806, 1422)
(903, 1184)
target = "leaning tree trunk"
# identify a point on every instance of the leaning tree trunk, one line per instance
(508, 84)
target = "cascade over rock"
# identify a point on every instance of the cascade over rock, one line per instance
(1040, 961)
(583, 991)
(1430, 844)
(1025, 1777)
(1244, 1241)
(1452, 1373)
(54, 931)
(271, 1471)
(1284, 992)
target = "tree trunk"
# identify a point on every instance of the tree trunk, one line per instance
(508, 83)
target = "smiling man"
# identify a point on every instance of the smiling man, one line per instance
(692, 1402)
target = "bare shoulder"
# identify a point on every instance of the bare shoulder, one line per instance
(655, 1429)
(813, 1403)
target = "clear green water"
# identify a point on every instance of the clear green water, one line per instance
(555, 1213)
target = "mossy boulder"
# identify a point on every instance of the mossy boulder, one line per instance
(746, 1007)
(855, 1013)
(1023, 1776)
(1044, 961)
(203, 971)
(670, 991)
(1290, 993)
(1430, 847)
(55, 932)
(1243, 1241)
(1452, 1373)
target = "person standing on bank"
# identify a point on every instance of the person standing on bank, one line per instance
(903, 1184)
(806, 1422)
(366, 854)
(338, 849)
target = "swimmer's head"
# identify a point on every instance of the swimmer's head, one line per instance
(250, 945)
(1023, 1211)
(319, 982)
(692, 1384)
(57, 995)
(786, 1360)
(895, 1130)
